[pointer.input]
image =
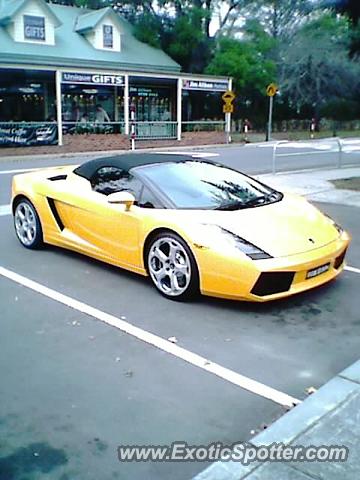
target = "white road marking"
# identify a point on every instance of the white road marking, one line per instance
(156, 341)
(20, 170)
(352, 269)
(5, 210)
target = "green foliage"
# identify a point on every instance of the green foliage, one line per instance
(186, 36)
(246, 60)
(148, 30)
(316, 67)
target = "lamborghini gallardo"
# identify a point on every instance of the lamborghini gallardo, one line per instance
(190, 224)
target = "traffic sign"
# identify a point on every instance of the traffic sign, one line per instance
(228, 108)
(271, 90)
(228, 96)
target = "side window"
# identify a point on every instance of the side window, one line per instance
(112, 179)
(148, 200)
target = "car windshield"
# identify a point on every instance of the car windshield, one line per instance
(203, 185)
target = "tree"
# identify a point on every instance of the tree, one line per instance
(247, 61)
(315, 67)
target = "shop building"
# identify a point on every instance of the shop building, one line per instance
(72, 76)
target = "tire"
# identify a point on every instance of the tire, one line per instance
(172, 267)
(27, 225)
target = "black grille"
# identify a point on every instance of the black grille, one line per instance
(269, 283)
(339, 260)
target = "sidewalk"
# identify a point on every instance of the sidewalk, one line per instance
(328, 417)
(316, 185)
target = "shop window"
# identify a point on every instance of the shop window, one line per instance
(152, 104)
(34, 28)
(83, 102)
(22, 103)
(108, 36)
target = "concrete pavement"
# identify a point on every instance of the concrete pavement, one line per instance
(328, 417)
(316, 185)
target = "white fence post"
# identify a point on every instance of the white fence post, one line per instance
(339, 162)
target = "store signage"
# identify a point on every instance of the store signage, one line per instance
(92, 78)
(34, 27)
(16, 134)
(205, 85)
(108, 36)
(144, 92)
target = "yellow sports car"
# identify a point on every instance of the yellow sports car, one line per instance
(189, 224)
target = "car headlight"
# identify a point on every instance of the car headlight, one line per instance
(252, 251)
(338, 228)
(336, 225)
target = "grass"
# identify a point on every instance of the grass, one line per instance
(352, 183)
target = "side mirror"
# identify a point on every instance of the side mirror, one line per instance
(122, 198)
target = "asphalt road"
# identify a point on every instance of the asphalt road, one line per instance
(73, 389)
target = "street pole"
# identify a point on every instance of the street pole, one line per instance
(59, 106)
(228, 127)
(271, 103)
(126, 104)
(179, 108)
(133, 131)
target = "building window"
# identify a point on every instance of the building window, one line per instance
(108, 36)
(34, 27)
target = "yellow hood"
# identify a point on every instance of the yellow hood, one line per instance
(284, 228)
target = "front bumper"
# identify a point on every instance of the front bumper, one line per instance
(271, 279)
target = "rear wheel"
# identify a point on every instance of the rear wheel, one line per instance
(172, 267)
(27, 225)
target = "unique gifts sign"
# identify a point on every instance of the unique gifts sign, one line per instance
(92, 78)
(34, 27)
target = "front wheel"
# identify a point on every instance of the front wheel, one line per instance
(172, 267)
(27, 225)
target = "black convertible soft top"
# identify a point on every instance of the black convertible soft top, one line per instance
(127, 161)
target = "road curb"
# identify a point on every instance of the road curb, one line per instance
(302, 418)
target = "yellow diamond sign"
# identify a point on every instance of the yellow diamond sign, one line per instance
(271, 90)
(228, 96)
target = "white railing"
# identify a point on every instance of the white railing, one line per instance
(319, 147)
(203, 126)
(155, 130)
(86, 127)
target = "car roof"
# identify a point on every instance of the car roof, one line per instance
(127, 161)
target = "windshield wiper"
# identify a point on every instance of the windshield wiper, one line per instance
(253, 202)
(231, 206)
(263, 199)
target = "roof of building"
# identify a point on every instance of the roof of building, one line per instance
(127, 161)
(72, 49)
(90, 20)
(11, 8)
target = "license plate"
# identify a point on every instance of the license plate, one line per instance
(318, 271)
